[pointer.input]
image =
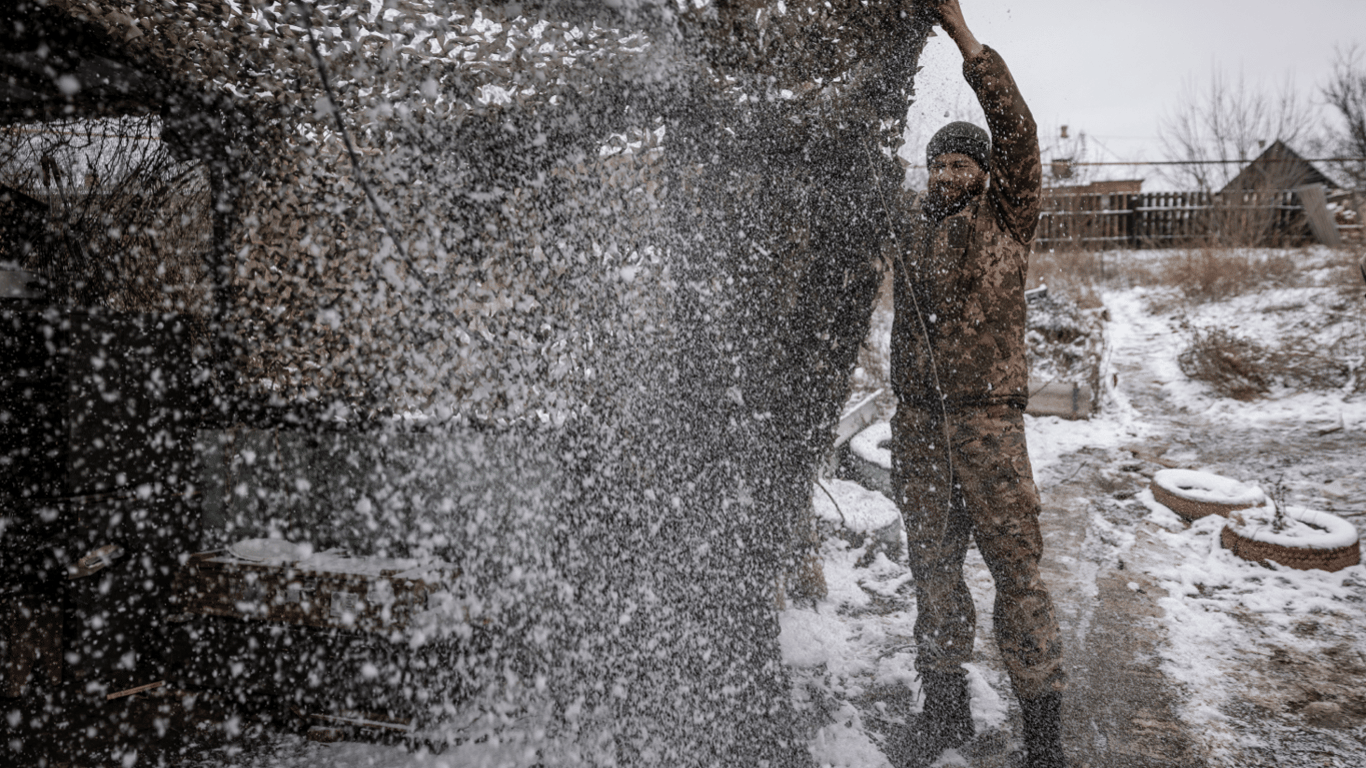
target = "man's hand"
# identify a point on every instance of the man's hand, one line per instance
(950, 15)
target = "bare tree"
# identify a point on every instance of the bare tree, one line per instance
(1225, 122)
(1346, 93)
(126, 222)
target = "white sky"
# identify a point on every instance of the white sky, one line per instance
(1113, 69)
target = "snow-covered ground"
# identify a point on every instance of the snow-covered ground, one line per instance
(1266, 663)
(852, 654)
(1265, 656)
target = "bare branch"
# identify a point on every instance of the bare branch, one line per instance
(1346, 93)
(1228, 119)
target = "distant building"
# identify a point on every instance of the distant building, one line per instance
(1279, 167)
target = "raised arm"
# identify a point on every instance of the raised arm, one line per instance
(951, 20)
(1016, 171)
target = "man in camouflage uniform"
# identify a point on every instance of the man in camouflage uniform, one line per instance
(959, 370)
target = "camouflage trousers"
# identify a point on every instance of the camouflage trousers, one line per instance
(994, 500)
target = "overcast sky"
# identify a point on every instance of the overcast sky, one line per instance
(1114, 69)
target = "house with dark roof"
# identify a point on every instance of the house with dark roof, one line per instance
(1278, 167)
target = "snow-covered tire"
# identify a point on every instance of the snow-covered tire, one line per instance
(1193, 495)
(1338, 547)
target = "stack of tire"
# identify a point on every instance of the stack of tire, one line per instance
(1195, 495)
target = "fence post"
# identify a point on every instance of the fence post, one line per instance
(1135, 218)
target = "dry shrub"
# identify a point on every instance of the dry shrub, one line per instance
(1349, 274)
(1246, 370)
(1197, 274)
(1209, 274)
(1297, 364)
(134, 234)
(1229, 364)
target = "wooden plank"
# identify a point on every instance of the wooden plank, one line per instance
(1321, 222)
(1058, 398)
(133, 691)
(94, 561)
(856, 418)
(1135, 221)
(366, 720)
(31, 641)
(214, 584)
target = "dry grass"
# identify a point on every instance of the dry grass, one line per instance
(1233, 366)
(1195, 275)
(1246, 370)
(1210, 274)
(1079, 275)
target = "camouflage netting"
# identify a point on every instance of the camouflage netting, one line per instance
(584, 286)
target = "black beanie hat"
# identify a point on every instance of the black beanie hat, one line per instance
(965, 138)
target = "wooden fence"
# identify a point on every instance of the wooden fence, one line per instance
(1095, 221)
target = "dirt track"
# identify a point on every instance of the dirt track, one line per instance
(1121, 710)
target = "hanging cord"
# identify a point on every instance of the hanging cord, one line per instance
(306, 12)
(843, 520)
(929, 348)
(934, 369)
(417, 274)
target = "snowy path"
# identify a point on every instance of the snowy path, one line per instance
(1179, 653)
(1186, 655)
(1120, 710)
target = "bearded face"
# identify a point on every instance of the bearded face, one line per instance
(955, 179)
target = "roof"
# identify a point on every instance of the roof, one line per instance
(9, 196)
(1108, 187)
(1279, 167)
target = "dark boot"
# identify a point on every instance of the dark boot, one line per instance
(1043, 731)
(946, 721)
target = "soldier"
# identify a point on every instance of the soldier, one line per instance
(959, 370)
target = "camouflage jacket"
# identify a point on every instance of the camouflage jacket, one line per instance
(959, 328)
